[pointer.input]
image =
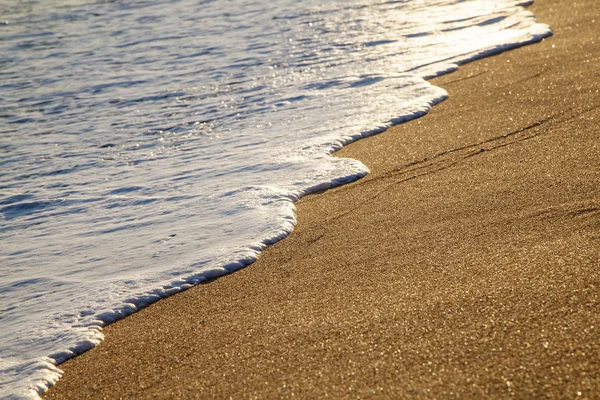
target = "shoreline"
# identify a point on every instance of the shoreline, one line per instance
(336, 307)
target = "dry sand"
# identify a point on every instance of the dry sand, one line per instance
(467, 265)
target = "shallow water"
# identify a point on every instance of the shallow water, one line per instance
(147, 147)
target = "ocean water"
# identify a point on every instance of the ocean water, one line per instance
(148, 146)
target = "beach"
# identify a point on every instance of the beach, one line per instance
(465, 265)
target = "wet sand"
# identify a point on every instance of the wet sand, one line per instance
(466, 265)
